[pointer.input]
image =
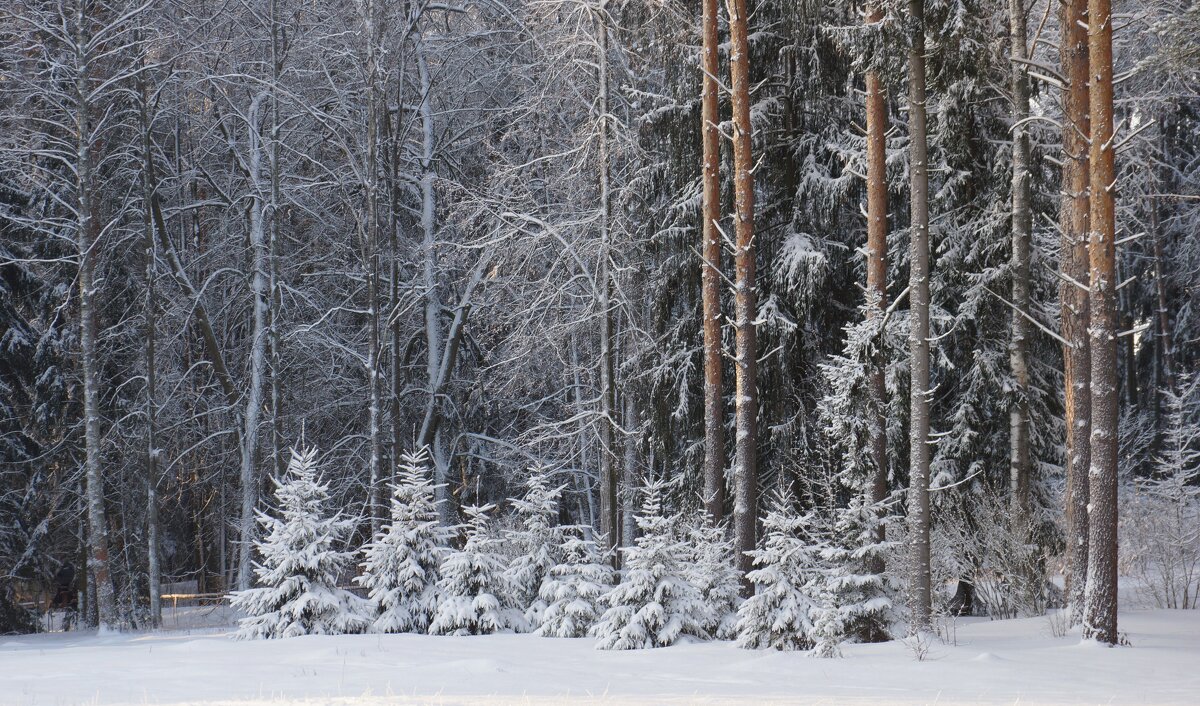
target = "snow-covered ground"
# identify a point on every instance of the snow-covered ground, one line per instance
(1005, 662)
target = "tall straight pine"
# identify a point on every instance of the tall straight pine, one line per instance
(1100, 600)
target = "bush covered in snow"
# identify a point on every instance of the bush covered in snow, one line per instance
(301, 564)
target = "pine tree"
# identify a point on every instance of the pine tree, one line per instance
(538, 545)
(787, 577)
(401, 566)
(472, 600)
(713, 573)
(300, 564)
(654, 605)
(573, 590)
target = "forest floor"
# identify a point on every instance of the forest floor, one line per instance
(1001, 662)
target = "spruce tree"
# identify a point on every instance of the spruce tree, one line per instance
(401, 566)
(713, 573)
(655, 604)
(787, 577)
(300, 564)
(472, 586)
(574, 589)
(861, 597)
(538, 545)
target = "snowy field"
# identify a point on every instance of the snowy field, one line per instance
(1007, 662)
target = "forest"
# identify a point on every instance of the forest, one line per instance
(788, 322)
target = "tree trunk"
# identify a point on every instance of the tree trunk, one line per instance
(1073, 296)
(745, 508)
(371, 262)
(609, 526)
(877, 264)
(1100, 601)
(254, 395)
(153, 570)
(714, 413)
(1160, 289)
(88, 236)
(918, 490)
(276, 354)
(1022, 235)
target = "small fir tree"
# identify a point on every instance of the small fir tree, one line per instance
(712, 572)
(472, 585)
(655, 604)
(300, 564)
(573, 590)
(538, 545)
(787, 579)
(857, 587)
(401, 566)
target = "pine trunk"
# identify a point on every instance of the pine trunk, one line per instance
(745, 509)
(877, 264)
(918, 490)
(153, 570)
(714, 413)
(1100, 601)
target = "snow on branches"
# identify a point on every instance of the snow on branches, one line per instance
(301, 564)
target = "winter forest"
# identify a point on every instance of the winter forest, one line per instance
(757, 329)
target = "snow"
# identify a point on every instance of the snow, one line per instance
(1002, 662)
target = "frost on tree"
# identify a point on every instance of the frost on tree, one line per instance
(787, 584)
(472, 586)
(655, 604)
(537, 544)
(573, 590)
(300, 564)
(713, 573)
(401, 566)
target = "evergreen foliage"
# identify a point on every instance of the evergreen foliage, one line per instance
(301, 564)
(401, 565)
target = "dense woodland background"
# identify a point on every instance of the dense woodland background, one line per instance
(374, 226)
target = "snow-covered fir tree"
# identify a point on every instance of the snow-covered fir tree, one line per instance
(401, 566)
(301, 563)
(713, 573)
(574, 589)
(787, 581)
(655, 604)
(472, 587)
(537, 543)
(858, 589)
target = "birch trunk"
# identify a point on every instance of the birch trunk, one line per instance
(371, 260)
(1022, 234)
(918, 490)
(745, 508)
(1100, 600)
(710, 278)
(1073, 264)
